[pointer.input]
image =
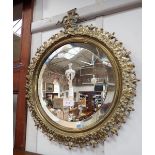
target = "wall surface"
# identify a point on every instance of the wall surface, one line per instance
(127, 26)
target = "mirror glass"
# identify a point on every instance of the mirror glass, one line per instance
(76, 85)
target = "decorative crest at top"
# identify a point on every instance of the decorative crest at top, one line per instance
(69, 22)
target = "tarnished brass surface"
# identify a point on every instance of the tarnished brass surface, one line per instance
(125, 79)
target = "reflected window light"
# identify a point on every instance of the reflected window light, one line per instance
(106, 62)
(17, 24)
(66, 51)
(57, 52)
(72, 52)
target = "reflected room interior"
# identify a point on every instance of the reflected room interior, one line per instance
(76, 85)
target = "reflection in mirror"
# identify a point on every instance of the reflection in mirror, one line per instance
(76, 85)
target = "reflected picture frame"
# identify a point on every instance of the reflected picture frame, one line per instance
(49, 87)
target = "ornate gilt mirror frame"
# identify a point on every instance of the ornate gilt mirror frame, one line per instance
(125, 81)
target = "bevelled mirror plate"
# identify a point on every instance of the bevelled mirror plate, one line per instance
(80, 85)
(76, 85)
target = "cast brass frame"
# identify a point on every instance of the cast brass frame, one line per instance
(125, 85)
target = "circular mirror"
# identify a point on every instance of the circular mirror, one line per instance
(76, 85)
(80, 86)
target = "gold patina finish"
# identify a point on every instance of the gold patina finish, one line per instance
(125, 79)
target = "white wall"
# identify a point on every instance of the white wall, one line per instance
(127, 26)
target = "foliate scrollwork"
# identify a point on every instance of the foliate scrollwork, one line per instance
(128, 92)
(70, 21)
